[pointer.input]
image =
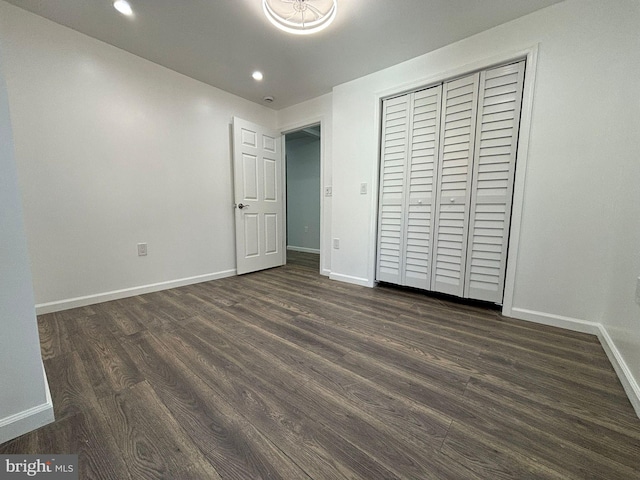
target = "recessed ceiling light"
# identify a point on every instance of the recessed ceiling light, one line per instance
(123, 7)
(257, 75)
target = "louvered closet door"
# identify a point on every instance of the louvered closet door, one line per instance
(454, 184)
(394, 150)
(494, 170)
(420, 201)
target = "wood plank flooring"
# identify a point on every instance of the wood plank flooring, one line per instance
(284, 374)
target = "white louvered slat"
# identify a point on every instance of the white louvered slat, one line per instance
(421, 174)
(453, 184)
(394, 151)
(499, 104)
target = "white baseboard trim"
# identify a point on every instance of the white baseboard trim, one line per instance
(28, 420)
(303, 249)
(552, 320)
(326, 272)
(66, 304)
(363, 282)
(629, 383)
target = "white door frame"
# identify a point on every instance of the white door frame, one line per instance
(530, 54)
(294, 127)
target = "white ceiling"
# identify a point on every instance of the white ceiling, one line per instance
(221, 42)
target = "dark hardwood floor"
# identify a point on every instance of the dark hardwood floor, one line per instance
(284, 374)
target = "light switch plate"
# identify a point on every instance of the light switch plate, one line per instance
(142, 249)
(363, 189)
(327, 191)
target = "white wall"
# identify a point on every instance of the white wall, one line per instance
(622, 315)
(24, 402)
(303, 193)
(579, 238)
(318, 110)
(113, 150)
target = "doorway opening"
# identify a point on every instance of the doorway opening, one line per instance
(303, 197)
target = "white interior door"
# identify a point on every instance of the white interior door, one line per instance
(454, 184)
(492, 190)
(422, 170)
(258, 193)
(409, 164)
(391, 231)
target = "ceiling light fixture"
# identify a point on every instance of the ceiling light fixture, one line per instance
(123, 7)
(257, 75)
(300, 17)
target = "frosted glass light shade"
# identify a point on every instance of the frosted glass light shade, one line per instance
(123, 7)
(300, 17)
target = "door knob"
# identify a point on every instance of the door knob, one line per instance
(241, 206)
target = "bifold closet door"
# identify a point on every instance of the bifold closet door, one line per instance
(499, 103)
(393, 166)
(420, 186)
(410, 136)
(459, 106)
